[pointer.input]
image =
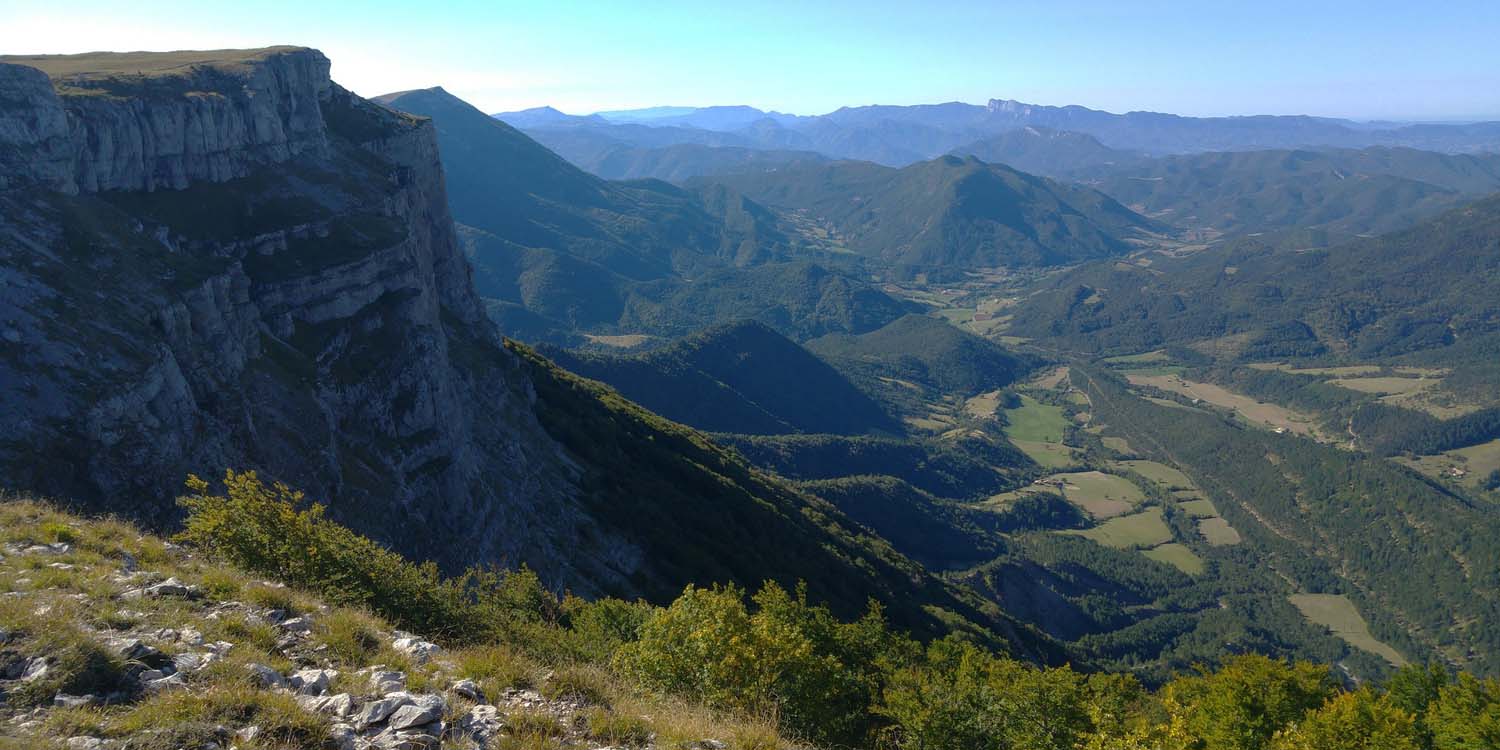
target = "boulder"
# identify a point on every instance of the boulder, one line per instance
(311, 681)
(265, 676)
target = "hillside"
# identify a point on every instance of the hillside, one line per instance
(945, 215)
(737, 377)
(1365, 191)
(927, 351)
(681, 161)
(299, 305)
(1423, 288)
(1043, 151)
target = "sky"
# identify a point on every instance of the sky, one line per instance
(1364, 60)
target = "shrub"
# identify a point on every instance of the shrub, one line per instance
(788, 659)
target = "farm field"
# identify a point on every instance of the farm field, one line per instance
(1338, 614)
(1199, 508)
(1035, 422)
(1255, 412)
(1167, 477)
(1475, 462)
(1178, 556)
(1217, 532)
(1118, 445)
(1101, 495)
(1389, 386)
(1048, 455)
(984, 405)
(1144, 529)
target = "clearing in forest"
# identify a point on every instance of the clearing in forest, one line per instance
(1255, 412)
(1178, 556)
(1337, 613)
(1144, 529)
(1218, 532)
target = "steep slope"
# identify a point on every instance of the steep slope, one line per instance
(927, 351)
(738, 377)
(1350, 191)
(1044, 151)
(948, 214)
(284, 291)
(557, 250)
(1424, 288)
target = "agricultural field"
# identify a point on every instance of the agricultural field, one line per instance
(1035, 422)
(1048, 455)
(1338, 614)
(1199, 508)
(1167, 477)
(1101, 495)
(1217, 532)
(1050, 379)
(1144, 529)
(1466, 466)
(1248, 409)
(1138, 359)
(1178, 556)
(984, 405)
(625, 341)
(1118, 445)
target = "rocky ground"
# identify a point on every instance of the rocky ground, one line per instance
(114, 639)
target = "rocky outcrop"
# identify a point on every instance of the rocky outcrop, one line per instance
(197, 119)
(241, 264)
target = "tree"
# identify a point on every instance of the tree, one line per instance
(1361, 720)
(1241, 706)
(1466, 715)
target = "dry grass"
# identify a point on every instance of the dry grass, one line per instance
(1218, 532)
(1339, 615)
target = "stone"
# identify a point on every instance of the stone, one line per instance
(422, 710)
(171, 587)
(383, 682)
(416, 648)
(35, 670)
(170, 682)
(298, 625)
(343, 737)
(377, 711)
(418, 740)
(337, 706)
(84, 743)
(468, 689)
(481, 723)
(63, 700)
(311, 681)
(135, 650)
(266, 677)
(193, 661)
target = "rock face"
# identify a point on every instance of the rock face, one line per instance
(213, 260)
(203, 116)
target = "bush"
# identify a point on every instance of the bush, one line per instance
(261, 528)
(788, 659)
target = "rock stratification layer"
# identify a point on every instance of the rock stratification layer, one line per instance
(225, 259)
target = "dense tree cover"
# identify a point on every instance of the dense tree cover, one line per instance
(842, 683)
(939, 534)
(700, 514)
(926, 351)
(959, 469)
(942, 216)
(1429, 287)
(1346, 190)
(738, 377)
(1418, 560)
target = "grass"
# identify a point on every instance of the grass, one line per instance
(618, 729)
(1252, 411)
(1178, 556)
(1102, 495)
(1119, 445)
(1144, 529)
(1338, 614)
(1199, 508)
(1048, 455)
(1218, 532)
(1035, 422)
(1168, 477)
(1143, 357)
(1388, 386)
(583, 683)
(1476, 461)
(496, 668)
(140, 63)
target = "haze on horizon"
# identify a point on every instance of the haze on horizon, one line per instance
(1360, 60)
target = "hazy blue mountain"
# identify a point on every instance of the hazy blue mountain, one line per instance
(1044, 151)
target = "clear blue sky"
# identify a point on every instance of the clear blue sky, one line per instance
(1373, 59)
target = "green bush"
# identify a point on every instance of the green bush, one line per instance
(787, 659)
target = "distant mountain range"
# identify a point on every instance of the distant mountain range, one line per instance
(900, 135)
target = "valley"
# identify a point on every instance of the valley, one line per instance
(901, 427)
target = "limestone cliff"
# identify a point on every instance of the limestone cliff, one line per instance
(224, 259)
